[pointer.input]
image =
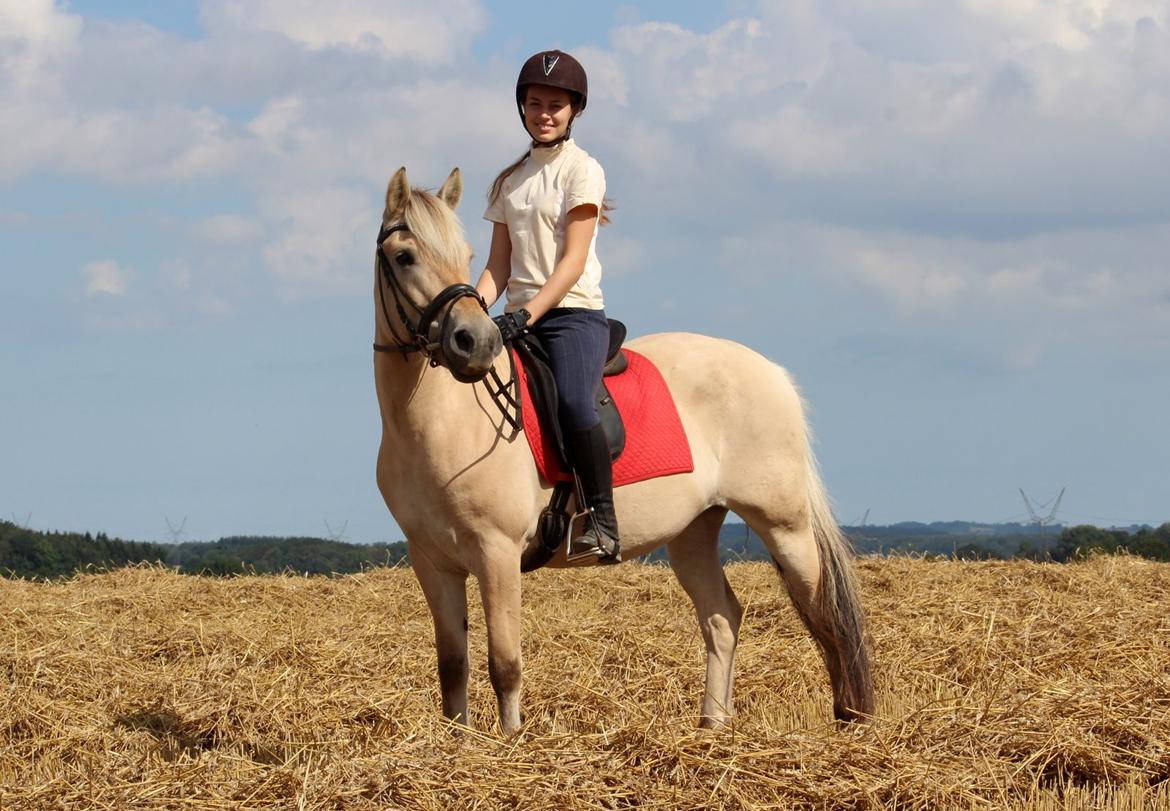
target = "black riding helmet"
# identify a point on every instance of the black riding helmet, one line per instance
(553, 69)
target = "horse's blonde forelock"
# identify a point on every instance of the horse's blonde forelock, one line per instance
(437, 230)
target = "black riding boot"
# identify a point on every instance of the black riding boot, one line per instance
(595, 470)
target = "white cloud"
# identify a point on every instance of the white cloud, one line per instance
(105, 278)
(432, 33)
(905, 279)
(229, 229)
(33, 34)
(688, 76)
(324, 242)
(119, 146)
(793, 142)
(1093, 282)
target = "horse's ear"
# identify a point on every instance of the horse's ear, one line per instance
(452, 188)
(397, 193)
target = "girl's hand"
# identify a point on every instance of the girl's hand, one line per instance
(512, 325)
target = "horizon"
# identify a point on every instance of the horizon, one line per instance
(732, 520)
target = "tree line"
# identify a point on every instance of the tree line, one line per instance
(35, 554)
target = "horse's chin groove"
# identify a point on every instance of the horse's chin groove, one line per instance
(464, 377)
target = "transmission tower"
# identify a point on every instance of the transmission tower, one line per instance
(1037, 517)
(338, 535)
(176, 532)
(22, 524)
(859, 534)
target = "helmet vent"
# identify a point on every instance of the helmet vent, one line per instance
(550, 62)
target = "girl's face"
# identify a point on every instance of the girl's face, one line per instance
(547, 112)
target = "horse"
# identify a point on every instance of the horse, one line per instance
(462, 484)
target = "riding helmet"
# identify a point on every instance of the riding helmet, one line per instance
(553, 69)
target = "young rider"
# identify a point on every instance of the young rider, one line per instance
(546, 208)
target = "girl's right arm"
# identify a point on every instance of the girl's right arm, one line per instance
(494, 281)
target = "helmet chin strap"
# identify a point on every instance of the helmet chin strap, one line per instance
(568, 134)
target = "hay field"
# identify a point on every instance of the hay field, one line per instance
(1001, 685)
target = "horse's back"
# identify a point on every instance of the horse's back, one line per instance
(705, 371)
(742, 413)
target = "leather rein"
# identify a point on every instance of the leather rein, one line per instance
(425, 338)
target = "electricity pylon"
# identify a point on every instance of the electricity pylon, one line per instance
(1042, 521)
(176, 532)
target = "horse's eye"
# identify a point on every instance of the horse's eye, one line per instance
(404, 258)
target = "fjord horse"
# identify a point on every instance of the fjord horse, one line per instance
(463, 486)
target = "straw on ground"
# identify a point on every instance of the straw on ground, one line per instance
(1007, 684)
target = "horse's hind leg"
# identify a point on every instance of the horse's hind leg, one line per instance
(823, 595)
(694, 556)
(446, 593)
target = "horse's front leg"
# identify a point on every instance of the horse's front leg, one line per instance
(499, 586)
(446, 593)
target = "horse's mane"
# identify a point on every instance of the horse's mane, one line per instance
(437, 229)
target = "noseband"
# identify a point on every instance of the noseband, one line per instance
(419, 334)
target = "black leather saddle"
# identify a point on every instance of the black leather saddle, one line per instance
(544, 390)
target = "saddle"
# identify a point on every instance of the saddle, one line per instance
(556, 520)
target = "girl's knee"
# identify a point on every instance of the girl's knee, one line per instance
(579, 416)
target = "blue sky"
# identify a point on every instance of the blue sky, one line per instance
(949, 221)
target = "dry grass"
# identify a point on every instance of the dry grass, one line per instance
(1000, 685)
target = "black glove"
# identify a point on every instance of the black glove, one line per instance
(512, 325)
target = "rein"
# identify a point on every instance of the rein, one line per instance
(505, 395)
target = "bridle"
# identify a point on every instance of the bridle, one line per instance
(426, 334)
(420, 336)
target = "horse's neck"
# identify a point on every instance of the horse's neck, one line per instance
(421, 404)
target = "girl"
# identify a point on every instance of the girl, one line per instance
(546, 208)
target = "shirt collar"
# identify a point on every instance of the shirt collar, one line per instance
(549, 154)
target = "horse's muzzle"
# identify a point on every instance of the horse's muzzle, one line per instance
(470, 345)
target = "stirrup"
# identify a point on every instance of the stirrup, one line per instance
(589, 544)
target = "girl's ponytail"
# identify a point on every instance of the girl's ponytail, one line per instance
(498, 185)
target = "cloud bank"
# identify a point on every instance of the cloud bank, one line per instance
(932, 154)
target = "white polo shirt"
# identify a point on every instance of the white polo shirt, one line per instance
(533, 203)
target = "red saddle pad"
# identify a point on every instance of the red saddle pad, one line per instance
(656, 444)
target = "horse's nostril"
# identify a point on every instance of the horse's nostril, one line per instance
(464, 342)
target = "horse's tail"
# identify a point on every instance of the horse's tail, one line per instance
(840, 631)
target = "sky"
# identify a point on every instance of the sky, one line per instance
(950, 221)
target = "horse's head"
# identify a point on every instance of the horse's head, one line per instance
(422, 266)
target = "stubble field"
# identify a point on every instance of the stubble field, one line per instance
(1001, 685)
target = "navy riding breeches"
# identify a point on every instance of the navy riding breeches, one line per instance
(576, 340)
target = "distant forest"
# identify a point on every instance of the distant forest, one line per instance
(30, 553)
(35, 554)
(973, 541)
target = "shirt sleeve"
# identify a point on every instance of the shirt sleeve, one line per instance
(495, 210)
(585, 185)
